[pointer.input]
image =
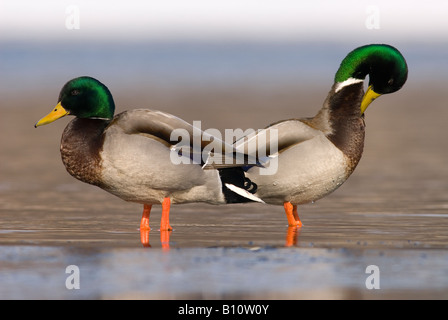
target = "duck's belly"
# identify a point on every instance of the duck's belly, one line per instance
(305, 173)
(132, 188)
(140, 170)
(134, 192)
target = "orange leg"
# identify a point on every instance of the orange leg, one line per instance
(292, 215)
(296, 216)
(144, 226)
(165, 222)
(144, 223)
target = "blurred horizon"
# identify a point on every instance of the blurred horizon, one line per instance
(207, 43)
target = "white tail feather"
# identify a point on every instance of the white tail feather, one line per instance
(243, 193)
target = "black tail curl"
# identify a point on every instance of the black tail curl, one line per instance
(236, 177)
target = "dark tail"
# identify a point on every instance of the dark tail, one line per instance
(236, 187)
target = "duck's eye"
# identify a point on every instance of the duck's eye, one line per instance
(75, 92)
(391, 81)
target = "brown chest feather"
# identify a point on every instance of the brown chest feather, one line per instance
(81, 144)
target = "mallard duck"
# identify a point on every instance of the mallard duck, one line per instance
(314, 156)
(130, 154)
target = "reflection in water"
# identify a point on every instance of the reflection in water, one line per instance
(144, 238)
(164, 238)
(292, 236)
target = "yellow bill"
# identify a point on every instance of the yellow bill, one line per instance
(55, 114)
(368, 98)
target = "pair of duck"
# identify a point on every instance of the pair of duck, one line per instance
(128, 154)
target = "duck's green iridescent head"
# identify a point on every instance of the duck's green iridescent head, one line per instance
(83, 97)
(384, 64)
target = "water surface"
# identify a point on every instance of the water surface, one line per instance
(392, 212)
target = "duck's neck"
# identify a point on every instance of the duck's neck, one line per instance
(342, 122)
(81, 144)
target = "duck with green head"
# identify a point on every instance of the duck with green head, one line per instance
(316, 155)
(129, 155)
